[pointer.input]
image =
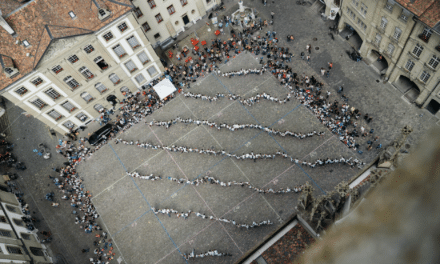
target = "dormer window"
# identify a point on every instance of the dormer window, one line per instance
(72, 15)
(26, 43)
(11, 72)
(103, 14)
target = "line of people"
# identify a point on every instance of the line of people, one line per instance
(232, 97)
(186, 215)
(247, 156)
(209, 253)
(234, 127)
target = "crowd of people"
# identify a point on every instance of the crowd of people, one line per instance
(212, 180)
(246, 156)
(186, 215)
(209, 253)
(235, 127)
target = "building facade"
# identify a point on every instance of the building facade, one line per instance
(17, 243)
(400, 39)
(77, 72)
(163, 20)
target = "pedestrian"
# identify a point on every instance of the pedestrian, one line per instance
(308, 58)
(330, 65)
(272, 14)
(328, 74)
(322, 71)
(309, 49)
(84, 250)
(340, 89)
(55, 204)
(264, 2)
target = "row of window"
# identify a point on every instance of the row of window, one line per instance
(433, 62)
(363, 8)
(73, 84)
(389, 5)
(170, 9)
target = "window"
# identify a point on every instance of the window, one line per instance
(9, 70)
(124, 90)
(208, 1)
(14, 250)
(157, 35)
(69, 124)
(98, 107)
(389, 5)
(119, 51)
(139, 78)
(82, 117)
(25, 236)
(405, 15)
(37, 251)
(114, 78)
(159, 18)
(68, 106)
(364, 9)
(383, 23)
(122, 27)
(424, 77)
(5, 233)
(37, 81)
(73, 59)
(355, 3)
(108, 36)
(426, 34)
(101, 63)
(55, 115)
(409, 65)
(26, 43)
(88, 49)
(52, 93)
(145, 26)
(143, 57)
(86, 72)
(171, 10)
(3, 219)
(131, 67)
(390, 49)
(101, 12)
(57, 69)
(138, 12)
(38, 103)
(72, 83)
(152, 71)
(433, 62)
(152, 4)
(86, 96)
(21, 91)
(397, 33)
(378, 39)
(361, 24)
(184, 2)
(417, 51)
(72, 15)
(18, 222)
(133, 42)
(100, 87)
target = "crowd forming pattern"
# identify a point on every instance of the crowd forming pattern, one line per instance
(134, 109)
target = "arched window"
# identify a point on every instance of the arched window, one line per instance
(124, 90)
(86, 96)
(114, 78)
(101, 87)
(98, 107)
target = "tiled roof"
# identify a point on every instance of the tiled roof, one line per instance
(7, 6)
(427, 11)
(43, 20)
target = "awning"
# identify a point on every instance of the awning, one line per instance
(164, 88)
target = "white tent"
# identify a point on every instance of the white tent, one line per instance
(164, 88)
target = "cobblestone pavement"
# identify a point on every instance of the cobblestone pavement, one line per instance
(123, 203)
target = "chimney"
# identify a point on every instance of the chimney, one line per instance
(6, 26)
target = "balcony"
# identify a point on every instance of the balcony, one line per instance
(424, 37)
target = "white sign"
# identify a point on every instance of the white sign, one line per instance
(333, 12)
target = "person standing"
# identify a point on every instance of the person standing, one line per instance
(330, 65)
(272, 14)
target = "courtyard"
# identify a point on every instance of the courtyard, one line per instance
(125, 203)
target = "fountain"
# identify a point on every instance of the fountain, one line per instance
(244, 16)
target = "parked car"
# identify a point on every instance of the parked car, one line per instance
(99, 134)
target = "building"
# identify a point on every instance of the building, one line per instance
(17, 243)
(163, 20)
(72, 59)
(400, 39)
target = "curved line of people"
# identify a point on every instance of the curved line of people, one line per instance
(212, 180)
(232, 97)
(209, 253)
(186, 215)
(233, 127)
(250, 156)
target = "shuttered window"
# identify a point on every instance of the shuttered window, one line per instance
(120, 52)
(133, 42)
(143, 57)
(100, 87)
(55, 115)
(52, 93)
(131, 67)
(69, 106)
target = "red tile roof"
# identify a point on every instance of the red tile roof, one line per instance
(427, 11)
(30, 24)
(7, 6)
